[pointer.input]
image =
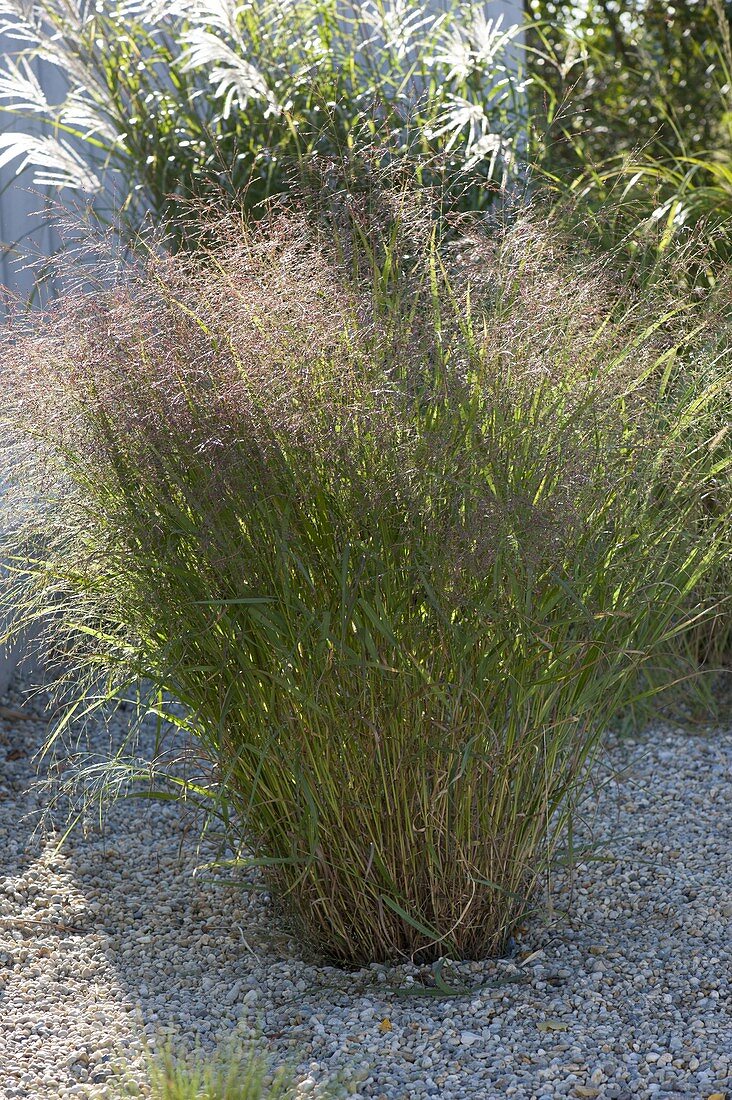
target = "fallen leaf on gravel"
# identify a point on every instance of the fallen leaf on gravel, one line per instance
(385, 1025)
(586, 1090)
(717, 1096)
(552, 1025)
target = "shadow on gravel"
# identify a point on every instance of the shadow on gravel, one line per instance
(22, 731)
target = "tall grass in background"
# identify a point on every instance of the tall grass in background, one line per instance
(170, 100)
(400, 522)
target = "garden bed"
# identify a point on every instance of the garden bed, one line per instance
(110, 942)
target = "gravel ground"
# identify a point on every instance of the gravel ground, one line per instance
(111, 941)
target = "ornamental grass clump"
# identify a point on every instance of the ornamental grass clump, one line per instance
(399, 523)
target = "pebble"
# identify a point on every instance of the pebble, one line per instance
(112, 942)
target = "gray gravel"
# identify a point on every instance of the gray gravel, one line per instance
(110, 942)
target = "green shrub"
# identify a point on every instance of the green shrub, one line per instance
(399, 525)
(690, 185)
(642, 113)
(642, 76)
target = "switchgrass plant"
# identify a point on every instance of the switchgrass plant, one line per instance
(401, 523)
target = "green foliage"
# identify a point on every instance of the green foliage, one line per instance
(399, 521)
(641, 109)
(173, 1078)
(645, 75)
(172, 100)
(692, 187)
(228, 1074)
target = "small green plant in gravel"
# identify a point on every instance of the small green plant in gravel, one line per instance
(399, 523)
(227, 1074)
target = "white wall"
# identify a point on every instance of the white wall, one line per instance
(24, 231)
(24, 207)
(8, 663)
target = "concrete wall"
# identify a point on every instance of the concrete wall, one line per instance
(7, 668)
(26, 209)
(8, 663)
(24, 232)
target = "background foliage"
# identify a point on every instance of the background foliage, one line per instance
(175, 99)
(640, 103)
(634, 74)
